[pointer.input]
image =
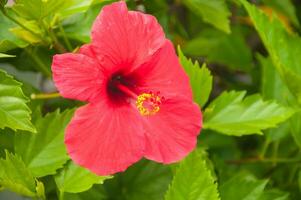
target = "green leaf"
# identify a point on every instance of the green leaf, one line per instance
(274, 194)
(272, 85)
(97, 192)
(214, 12)
(286, 59)
(40, 190)
(16, 177)
(200, 79)
(221, 48)
(193, 180)
(8, 44)
(75, 6)
(14, 113)
(285, 7)
(277, 134)
(295, 126)
(274, 88)
(6, 141)
(37, 9)
(299, 179)
(243, 186)
(79, 26)
(2, 55)
(145, 180)
(7, 40)
(45, 152)
(232, 114)
(74, 179)
(26, 35)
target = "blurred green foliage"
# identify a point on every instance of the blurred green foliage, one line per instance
(243, 60)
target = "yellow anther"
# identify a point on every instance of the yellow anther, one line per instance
(148, 103)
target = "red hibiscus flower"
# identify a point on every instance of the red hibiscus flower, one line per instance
(139, 99)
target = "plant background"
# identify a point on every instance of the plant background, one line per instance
(247, 84)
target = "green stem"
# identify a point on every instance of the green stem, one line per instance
(58, 46)
(275, 153)
(45, 96)
(66, 40)
(264, 148)
(61, 197)
(264, 160)
(40, 65)
(292, 174)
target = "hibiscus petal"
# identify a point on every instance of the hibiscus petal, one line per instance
(164, 73)
(105, 139)
(127, 38)
(172, 132)
(77, 77)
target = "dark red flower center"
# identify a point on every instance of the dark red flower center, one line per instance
(121, 89)
(115, 94)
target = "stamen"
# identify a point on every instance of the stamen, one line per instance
(146, 103)
(149, 103)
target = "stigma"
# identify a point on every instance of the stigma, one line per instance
(149, 103)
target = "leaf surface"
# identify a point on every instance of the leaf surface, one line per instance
(214, 12)
(193, 180)
(74, 179)
(45, 152)
(285, 59)
(15, 176)
(242, 186)
(14, 113)
(200, 79)
(232, 114)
